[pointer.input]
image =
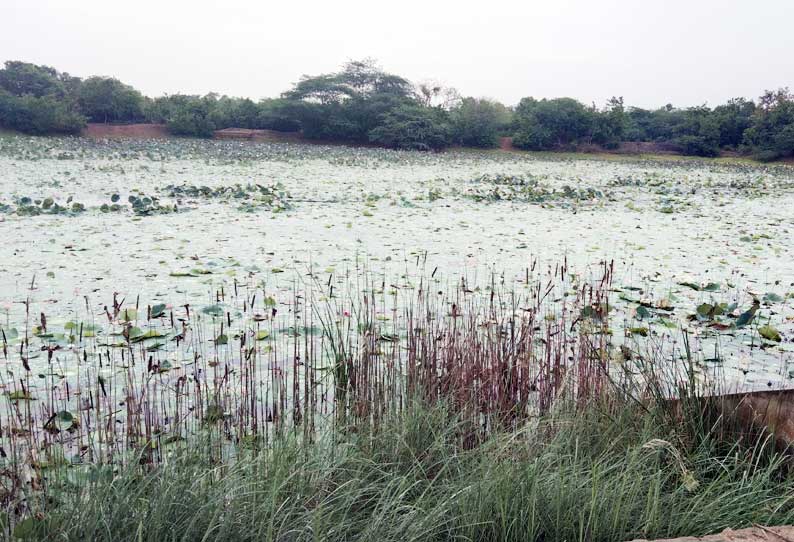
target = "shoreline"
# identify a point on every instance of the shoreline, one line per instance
(630, 150)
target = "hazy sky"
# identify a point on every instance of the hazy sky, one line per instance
(682, 51)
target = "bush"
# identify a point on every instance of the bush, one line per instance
(478, 122)
(105, 99)
(361, 103)
(183, 114)
(548, 124)
(22, 78)
(192, 120)
(767, 156)
(697, 146)
(412, 127)
(609, 124)
(38, 115)
(772, 129)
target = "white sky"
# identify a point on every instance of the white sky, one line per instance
(686, 52)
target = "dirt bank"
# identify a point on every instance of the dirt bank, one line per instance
(256, 135)
(772, 411)
(136, 131)
(756, 534)
(159, 131)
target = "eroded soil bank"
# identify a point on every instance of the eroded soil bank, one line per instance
(756, 534)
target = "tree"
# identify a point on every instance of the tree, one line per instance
(732, 119)
(652, 125)
(193, 118)
(357, 79)
(105, 99)
(38, 100)
(184, 114)
(696, 132)
(609, 125)
(347, 105)
(547, 124)
(274, 114)
(771, 134)
(22, 78)
(38, 115)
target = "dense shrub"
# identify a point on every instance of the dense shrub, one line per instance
(771, 133)
(22, 78)
(693, 145)
(547, 124)
(189, 116)
(38, 115)
(105, 99)
(274, 114)
(696, 131)
(38, 100)
(733, 119)
(609, 125)
(412, 127)
(478, 122)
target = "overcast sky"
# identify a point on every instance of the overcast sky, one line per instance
(685, 52)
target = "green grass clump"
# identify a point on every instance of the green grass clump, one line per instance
(607, 472)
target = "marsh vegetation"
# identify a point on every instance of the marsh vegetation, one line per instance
(290, 342)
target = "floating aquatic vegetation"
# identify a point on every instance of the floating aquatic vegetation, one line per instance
(114, 206)
(143, 205)
(249, 197)
(26, 206)
(387, 207)
(127, 338)
(523, 189)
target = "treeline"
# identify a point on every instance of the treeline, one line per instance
(363, 104)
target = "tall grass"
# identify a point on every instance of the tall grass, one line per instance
(607, 473)
(249, 367)
(362, 413)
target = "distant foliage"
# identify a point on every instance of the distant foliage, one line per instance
(733, 119)
(363, 104)
(549, 124)
(105, 99)
(38, 100)
(697, 131)
(412, 127)
(771, 132)
(200, 116)
(274, 114)
(609, 124)
(22, 79)
(38, 115)
(479, 122)
(185, 115)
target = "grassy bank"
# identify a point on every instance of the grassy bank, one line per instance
(608, 472)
